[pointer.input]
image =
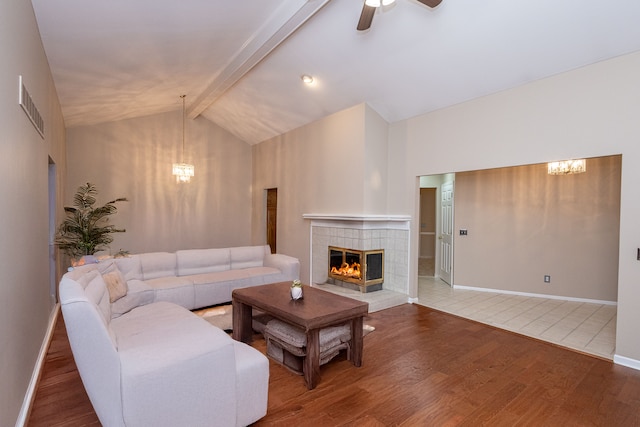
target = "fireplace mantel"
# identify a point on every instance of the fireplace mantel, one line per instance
(363, 221)
(354, 217)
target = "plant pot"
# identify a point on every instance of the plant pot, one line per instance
(296, 292)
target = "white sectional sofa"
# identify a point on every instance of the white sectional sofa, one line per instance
(146, 359)
(197, 278)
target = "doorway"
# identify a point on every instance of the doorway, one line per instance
(435, 230)
(272, 218)
(427, 241)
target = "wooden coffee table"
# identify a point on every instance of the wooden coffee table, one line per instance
(318, 309)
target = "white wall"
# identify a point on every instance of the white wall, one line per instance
(133, 158)
(25, 306)
(589, 112)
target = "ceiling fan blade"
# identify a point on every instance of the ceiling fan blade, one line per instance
(366, 17)
(430, 3)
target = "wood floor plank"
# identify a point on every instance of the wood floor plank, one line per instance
(420, 367)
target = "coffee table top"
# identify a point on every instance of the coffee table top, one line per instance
(317, 309)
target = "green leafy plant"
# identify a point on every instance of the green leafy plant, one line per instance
(86, 230)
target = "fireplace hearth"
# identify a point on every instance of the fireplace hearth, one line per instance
(357, 269)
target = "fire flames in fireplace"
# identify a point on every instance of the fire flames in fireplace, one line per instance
(346, 270)
(364, 268)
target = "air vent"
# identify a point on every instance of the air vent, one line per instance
(25, 101)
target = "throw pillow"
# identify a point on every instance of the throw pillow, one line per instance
(116, 285)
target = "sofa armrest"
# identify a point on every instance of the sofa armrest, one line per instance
(92, 345)
(288, 265)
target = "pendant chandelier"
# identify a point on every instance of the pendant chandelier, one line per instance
(183, 171)
(567, 167)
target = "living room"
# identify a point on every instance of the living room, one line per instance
(586, 112)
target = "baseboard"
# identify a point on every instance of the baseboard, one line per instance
(626, 361)
(528, 294)
(412, 300)
(23, 416)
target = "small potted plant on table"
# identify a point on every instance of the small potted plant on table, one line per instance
(296, 290)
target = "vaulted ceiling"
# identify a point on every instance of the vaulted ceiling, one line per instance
(240, 61)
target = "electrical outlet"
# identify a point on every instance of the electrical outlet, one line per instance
(463, 231)
(547, 279)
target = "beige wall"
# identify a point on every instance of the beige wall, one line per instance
(589, 112)
(319, 168)
(133, 158)
(374, 157)
(524, 224)
(25, 304)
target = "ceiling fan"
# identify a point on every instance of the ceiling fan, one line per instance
(370, 6)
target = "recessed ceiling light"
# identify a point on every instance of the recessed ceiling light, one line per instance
(307, 79)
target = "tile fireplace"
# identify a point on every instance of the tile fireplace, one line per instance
(386, 233)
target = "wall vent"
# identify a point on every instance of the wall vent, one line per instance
(25, 101)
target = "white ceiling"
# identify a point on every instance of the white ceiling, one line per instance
(120, 59)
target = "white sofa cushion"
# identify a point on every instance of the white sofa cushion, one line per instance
(247, 257)
(139, 293)
(130, 267)
(178, 290)
(96, 291)
(157, 264)
(221, 276)
(252, 384)
(199, 261)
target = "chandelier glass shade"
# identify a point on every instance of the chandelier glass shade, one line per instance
(567, 167)
(183, 171)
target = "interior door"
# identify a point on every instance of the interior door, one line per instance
(272, 217)
(446, 233)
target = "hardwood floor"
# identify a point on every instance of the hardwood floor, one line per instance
(420, 367)
(60, 398)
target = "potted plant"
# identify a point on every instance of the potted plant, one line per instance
(86, 229)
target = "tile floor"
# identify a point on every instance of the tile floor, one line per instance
(586, 327)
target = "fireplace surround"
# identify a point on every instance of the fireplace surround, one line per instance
(364, 233)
